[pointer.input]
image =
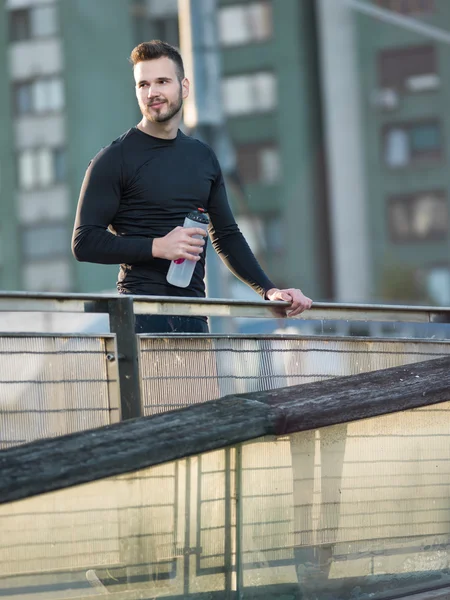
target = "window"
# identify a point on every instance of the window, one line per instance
(259, 162)
(251, 227)
(407, 7)
(60, 165)
(41, 167)
(161, 8)
(411, 143)
(45, 241)
(47, 275)
(251, 93)
(245, 23)
(418, 217)
(264, 233)
(19, 25)
(33, 22)
(40, 96)
(44, 21)
(167, 30)
(437, 282)
(275, 234)
(408, 69)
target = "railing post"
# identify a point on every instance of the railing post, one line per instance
(122, 323)
(239, 525)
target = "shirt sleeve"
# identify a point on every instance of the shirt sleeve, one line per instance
(98, 203)
(228, 241)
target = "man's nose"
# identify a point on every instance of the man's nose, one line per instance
(153, 91)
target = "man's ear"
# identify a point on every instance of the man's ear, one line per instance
(185, 88)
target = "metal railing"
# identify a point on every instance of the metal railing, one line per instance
(53, 384)
(286, 513)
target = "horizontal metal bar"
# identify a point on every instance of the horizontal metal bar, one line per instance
(61, 336)
(221, 308)
(368, 313)
(216, 307)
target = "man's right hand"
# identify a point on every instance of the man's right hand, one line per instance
(180, 243)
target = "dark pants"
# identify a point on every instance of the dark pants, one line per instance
(173, 324)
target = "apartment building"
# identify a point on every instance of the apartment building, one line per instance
(70, 91)
(405, 97)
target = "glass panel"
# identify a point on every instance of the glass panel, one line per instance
(27, 170)
(40, 95)
(265, 91)
(160, 8)
(275, 234)
(430, 217)
(252, 230)
(400, 220)
(340, 513)
(397, 149)
(45, 167)
(60, 164)
(259, 17)
(167, 30)
(408, 6)
(425, 137)
(55, 94)
(237, 95)
(44, 21)
(397, 65)
(438, 285)
(45, 241)
(19, 28)
(247, 162)
(23, 98)
(48, 275)
(233, 27)
(270, 165)
(419, 217)
(349, 511)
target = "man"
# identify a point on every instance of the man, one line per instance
(142, 186)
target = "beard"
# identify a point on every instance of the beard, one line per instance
(167, 111)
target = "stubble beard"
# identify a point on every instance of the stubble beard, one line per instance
(172, 110)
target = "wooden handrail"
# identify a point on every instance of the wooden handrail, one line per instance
(57, 463)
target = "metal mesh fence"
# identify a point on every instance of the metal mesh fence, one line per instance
(177, 372)
(54, 385)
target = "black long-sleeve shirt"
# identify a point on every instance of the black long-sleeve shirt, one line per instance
(141, 187)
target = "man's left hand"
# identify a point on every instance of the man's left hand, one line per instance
(299, 302)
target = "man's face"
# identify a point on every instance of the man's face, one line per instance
(159, 91)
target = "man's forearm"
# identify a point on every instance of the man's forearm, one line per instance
(97, 245)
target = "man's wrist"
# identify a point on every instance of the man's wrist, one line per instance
(270, 292)
(156, 250)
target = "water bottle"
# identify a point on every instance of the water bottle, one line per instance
(180, 270)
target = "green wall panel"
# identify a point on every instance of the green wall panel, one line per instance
(98, 38)
(9, 235)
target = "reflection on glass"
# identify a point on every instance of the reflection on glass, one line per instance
(350, 511)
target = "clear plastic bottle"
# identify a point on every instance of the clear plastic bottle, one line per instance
(181, 270)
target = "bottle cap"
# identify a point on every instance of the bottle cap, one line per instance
(199, 215)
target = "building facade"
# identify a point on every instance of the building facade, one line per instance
(70, 92)
(405, 89)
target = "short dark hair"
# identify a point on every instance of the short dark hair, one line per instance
(156, 49)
